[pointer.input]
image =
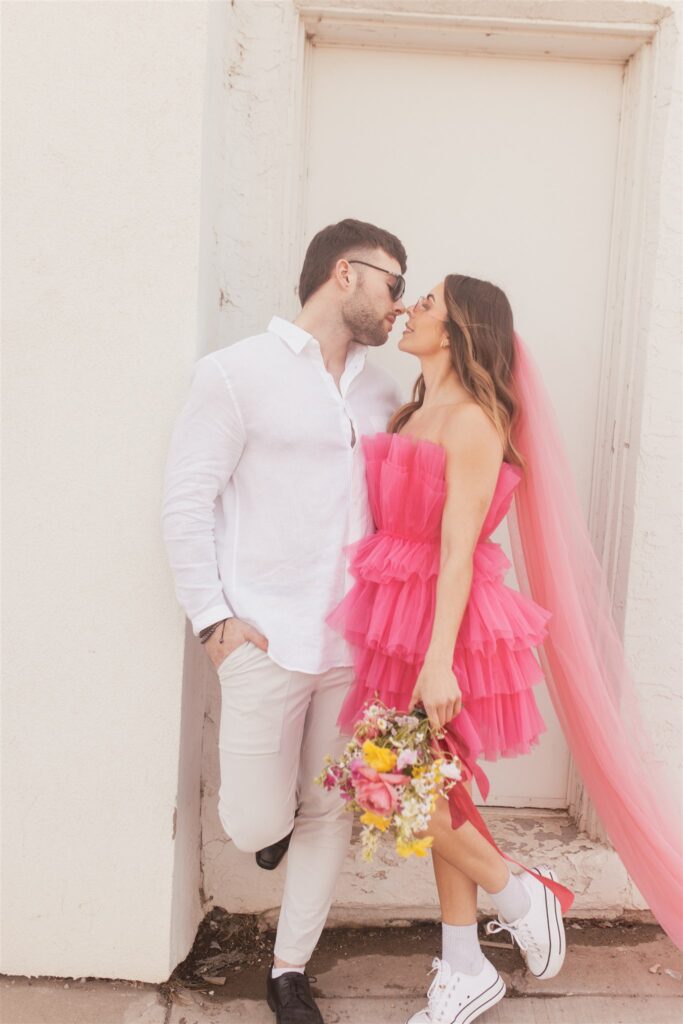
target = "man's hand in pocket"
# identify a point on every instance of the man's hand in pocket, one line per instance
(228, 637)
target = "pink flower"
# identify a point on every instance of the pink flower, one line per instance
(405, 758)
(376, 791)
(367, 729)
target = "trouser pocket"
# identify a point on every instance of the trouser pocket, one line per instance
(232, 657)
(254, 693)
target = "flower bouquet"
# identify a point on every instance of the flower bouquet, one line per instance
(390, 777)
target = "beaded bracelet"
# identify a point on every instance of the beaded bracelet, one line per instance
(208, 631)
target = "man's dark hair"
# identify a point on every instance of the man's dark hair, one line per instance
(334, 242)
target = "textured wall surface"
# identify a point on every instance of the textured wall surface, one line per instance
(102, 132)
(654, 597)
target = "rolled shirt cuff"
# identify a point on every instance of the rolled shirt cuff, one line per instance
(211, 615)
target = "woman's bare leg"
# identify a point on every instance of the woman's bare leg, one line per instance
(457, 893)
(465, 849)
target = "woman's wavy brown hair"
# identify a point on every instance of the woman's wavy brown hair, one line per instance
(481, 334)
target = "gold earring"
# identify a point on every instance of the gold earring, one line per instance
(444, 343)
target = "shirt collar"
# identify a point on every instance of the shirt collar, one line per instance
(294, 336)
(297, 339)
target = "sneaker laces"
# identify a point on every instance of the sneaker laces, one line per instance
(518, 931)
(436, 983)
(439, 1006)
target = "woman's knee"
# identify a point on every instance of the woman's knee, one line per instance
(439, 821)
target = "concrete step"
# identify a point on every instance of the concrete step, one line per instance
(388, 892)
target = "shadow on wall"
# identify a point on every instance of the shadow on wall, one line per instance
(187, 901)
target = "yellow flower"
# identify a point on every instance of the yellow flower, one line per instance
(418, 847)
(379, 758)
(375, 819)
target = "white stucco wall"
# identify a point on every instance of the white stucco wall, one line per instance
(102, 137)
(654, 595)
(130, 249)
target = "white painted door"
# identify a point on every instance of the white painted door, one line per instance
(502, 168)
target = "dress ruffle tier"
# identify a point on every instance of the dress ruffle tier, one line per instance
(389, 612)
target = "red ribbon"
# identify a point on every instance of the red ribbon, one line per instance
(463, 809)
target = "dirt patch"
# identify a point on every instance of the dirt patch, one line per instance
(232, 952)
(610, 933)
(225, 944)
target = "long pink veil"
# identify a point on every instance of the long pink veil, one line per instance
(592, 691)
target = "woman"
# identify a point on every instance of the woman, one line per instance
(433, 623)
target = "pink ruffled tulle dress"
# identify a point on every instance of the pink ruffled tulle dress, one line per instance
(389, 612)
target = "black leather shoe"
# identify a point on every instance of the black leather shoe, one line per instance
(290, 999)
(270, 856)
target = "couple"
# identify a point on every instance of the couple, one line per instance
(290, 448)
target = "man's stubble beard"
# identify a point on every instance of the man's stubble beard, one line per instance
(363, 325)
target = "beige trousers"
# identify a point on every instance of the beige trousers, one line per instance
(276, 728)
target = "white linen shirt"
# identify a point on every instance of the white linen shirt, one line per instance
(264, 488)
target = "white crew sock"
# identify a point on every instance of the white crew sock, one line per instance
(512, 902)
(460, 948)
(275, 972)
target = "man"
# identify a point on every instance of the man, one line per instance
(265, 486)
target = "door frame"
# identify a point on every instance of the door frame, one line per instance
(578, 31)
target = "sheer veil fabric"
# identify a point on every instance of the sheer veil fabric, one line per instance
(591, 689)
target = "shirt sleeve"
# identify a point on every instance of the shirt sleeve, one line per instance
(206, 446)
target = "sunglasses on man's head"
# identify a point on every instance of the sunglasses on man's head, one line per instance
(396, 289)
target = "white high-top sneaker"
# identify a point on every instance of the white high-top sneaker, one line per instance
(456, 998)
(540, 933)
